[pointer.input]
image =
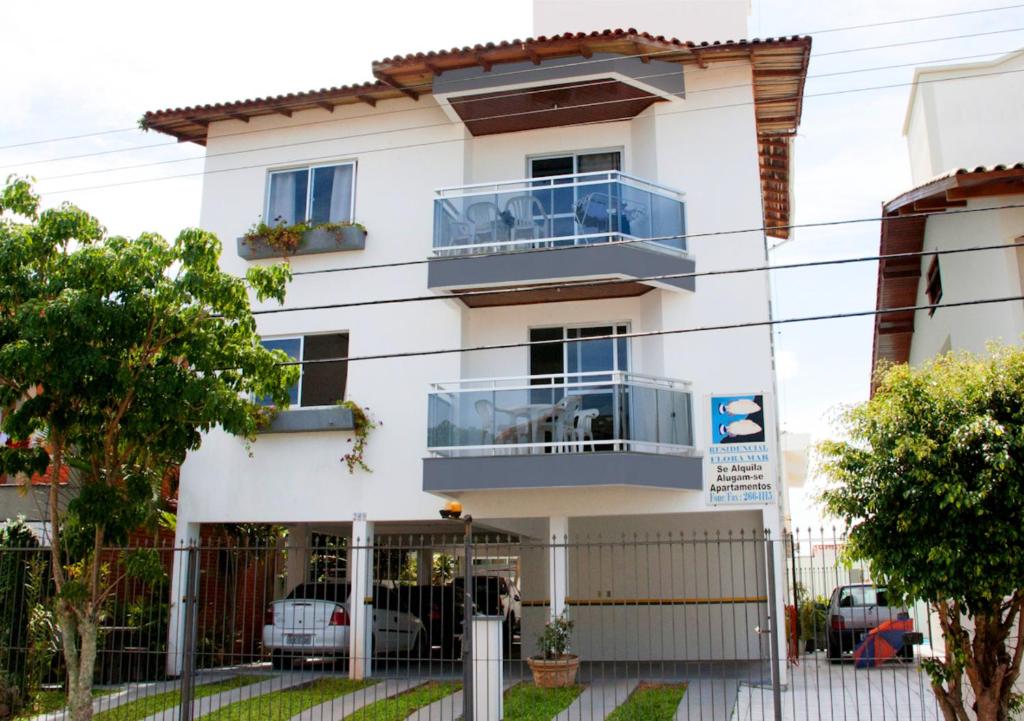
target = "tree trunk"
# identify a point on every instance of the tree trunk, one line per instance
(79, 640)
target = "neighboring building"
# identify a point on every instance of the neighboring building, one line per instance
(459, 158)
(965, 143)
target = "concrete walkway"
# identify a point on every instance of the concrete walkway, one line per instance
(598, 700)
(839, 692)
(341, 706)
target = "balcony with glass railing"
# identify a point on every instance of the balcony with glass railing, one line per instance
(597, 428)
(481, 232)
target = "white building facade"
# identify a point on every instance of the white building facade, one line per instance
(963, 130)
(512, 184)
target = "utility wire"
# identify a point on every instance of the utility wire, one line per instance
(656, 333)
(629, 241)
(201, 173)
(640, 279)
(599, 60)
(685, 94)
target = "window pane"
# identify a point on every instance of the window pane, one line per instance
(287, 204)
(599, 161)
(332, 194)
(323, 384)
(546, 167)
(291, 346)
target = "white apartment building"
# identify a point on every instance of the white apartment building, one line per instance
(505, 171)
(963, 130)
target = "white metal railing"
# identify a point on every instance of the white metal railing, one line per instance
(560, 413)
(573, 209)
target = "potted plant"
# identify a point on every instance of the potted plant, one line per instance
(554, 667)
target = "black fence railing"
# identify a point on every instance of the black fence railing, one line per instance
(675, 626)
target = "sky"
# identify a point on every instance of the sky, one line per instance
(76, 68)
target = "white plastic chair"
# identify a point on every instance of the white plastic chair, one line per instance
(583, 424)
(483, 219)
(563, 423)
(524, 211)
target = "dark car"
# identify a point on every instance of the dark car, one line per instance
(440, 610)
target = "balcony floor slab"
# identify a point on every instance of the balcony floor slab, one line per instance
(562, 470)
(585, 262)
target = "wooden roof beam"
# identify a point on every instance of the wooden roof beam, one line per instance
(239, 116)
(1009, 187)
(329, 107)
(368, 99)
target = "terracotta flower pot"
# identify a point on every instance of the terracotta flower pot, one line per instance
(554, 673)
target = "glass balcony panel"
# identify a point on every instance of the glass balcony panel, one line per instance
(587, 412)
(578, 209)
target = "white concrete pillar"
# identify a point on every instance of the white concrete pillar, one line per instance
(300, 538)
(185, 535)
(424, 566)
(488, 680)
(772, 520)
(360, 575)
(558, 563)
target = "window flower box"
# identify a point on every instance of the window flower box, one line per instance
(330, 238)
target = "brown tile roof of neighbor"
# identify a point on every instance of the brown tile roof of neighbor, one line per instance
(903, 232)
(779, 74)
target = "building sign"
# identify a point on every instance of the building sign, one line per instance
(738, 466)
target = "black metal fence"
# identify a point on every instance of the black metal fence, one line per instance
(675, 626)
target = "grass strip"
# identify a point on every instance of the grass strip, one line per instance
(42, 702)
(282, 705)
(399, 707)
(650, 702)
(140, 708)
(526, 702)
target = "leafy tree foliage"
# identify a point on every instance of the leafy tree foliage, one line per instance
(120, 353)
(931, 481)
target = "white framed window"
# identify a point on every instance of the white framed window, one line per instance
(315, 193)
(319, 384)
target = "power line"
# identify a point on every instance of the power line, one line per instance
(598, 60)
(463, 140)
(629, 241)
(640, 279)
(656, 333)
(684, 94)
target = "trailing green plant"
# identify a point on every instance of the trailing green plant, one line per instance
(286, 239)
(554, 641)
(362, 424)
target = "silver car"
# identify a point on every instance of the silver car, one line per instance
(314, 620)
(855, 609)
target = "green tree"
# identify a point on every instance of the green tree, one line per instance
(931, 483)
(121, 353)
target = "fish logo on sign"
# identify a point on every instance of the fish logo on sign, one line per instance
(737, 419)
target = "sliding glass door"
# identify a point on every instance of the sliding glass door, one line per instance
(577, 364)
(562, 205)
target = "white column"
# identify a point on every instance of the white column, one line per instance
(300, 538)
(185, 535)
(771, 518)
(558, 563)
(360, 575)
(488, 681)
(424, 566)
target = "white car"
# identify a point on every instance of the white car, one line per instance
(314, 620)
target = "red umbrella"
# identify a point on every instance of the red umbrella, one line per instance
(882, 642)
